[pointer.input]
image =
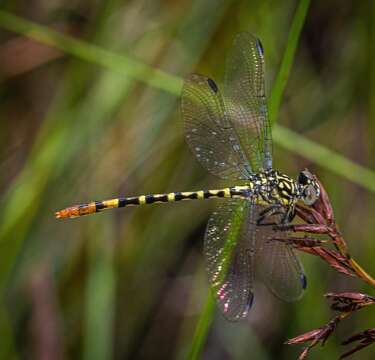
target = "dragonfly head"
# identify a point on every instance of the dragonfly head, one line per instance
(308, 187)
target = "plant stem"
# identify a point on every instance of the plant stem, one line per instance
(202, 328)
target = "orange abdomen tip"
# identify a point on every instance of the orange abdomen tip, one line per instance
(76, 210)
(69, 212)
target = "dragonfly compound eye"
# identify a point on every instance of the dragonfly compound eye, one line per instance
(310, 194)
(309, 187)
(305, 177)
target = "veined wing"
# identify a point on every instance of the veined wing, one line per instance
(244, 96)
(229, 257)
(208, 130)
(236, 249)
(277, 264)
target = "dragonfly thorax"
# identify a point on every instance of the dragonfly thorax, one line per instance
(272, 187)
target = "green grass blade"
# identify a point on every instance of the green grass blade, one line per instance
(100, 296)
(325, 157)
(91, 53)
(287, 61)
(203, 327)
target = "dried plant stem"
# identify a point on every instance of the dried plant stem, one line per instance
(343, 249)
(319, 219)
(362, 273)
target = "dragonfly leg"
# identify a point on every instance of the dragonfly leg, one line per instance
(272, 210)
(307, 228)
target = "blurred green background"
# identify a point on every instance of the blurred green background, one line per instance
(80, 123)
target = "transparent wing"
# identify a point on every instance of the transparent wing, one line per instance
(208, 130)
(229, 260)
(244, 94)
(276, 263)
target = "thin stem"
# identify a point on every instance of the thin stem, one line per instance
(202, 328)
(361, 273)
(92, 53)
(287, 62)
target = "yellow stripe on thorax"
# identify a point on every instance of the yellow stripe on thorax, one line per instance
(260, 201)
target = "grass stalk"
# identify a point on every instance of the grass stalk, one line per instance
(91, 53)
(202, 328)
(287, 61)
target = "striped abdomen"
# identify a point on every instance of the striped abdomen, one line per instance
(98, 206)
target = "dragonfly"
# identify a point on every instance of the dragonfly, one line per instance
(229, 132)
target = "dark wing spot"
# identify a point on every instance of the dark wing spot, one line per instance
(212, 85)
(303, 281)
(260, 47)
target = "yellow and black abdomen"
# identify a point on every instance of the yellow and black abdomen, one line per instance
(98, 206)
